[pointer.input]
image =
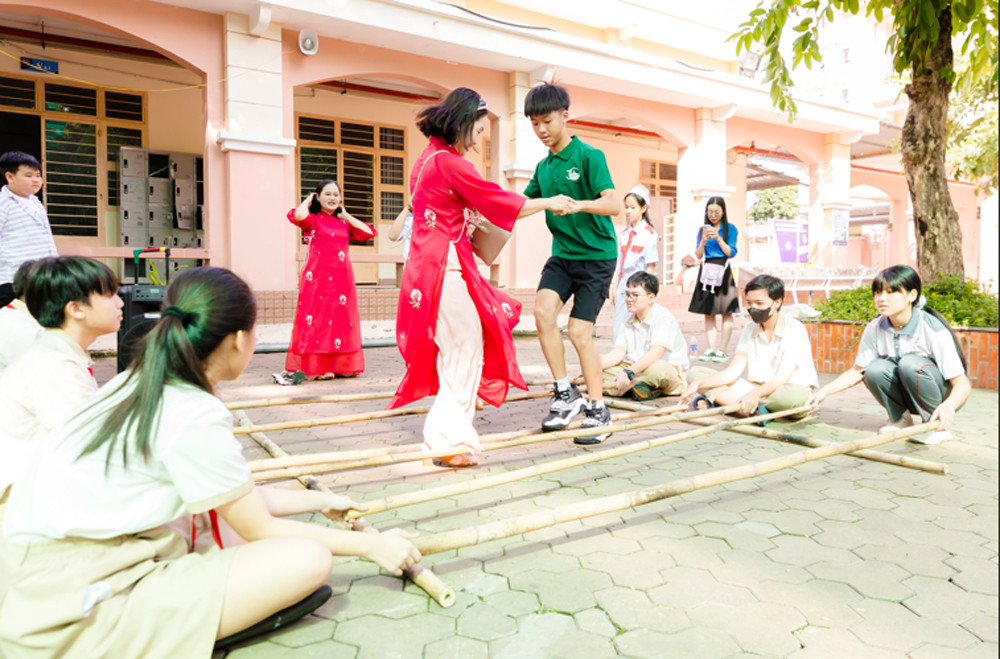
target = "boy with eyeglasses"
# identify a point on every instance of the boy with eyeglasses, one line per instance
(649, 359)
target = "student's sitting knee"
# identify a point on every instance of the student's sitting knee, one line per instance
(879, 370)
(911, 365)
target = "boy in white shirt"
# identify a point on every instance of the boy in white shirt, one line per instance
(649, 358)
(774, 351)
(76, 299)
(18, 328)
(25, 233)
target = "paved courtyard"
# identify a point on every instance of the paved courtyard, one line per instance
(837, 558)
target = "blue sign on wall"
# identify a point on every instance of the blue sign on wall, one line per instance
(42, 65)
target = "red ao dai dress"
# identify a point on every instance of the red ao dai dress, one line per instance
(453, 327)
(326, 335)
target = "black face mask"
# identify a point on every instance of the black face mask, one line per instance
(760, 316)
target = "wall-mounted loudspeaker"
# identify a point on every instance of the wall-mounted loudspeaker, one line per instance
(308, 41)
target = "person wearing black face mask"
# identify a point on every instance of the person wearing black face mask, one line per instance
(774, 351)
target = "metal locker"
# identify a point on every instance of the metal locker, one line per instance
(133, 162)
(133, 226)
(133, 191)
(186, 216)
(184, 192)
(182, 165)
(160, 225)
(160, 191)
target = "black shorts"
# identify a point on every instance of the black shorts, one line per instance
(587, 281)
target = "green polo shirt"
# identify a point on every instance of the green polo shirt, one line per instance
(581, 172)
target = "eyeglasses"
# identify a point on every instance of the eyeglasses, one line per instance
(714, 213)
(633, 296)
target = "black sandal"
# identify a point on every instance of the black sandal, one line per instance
(282, 618)
(693, 405)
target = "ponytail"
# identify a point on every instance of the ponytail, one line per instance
(202, 307)
(922, 304)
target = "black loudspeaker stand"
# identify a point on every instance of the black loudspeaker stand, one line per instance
(141, 310)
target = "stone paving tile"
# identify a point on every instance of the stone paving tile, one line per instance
(692, 642)
(822, 643)
(794, 522)
(320, 650)
(456, 647)
(485, 623)
(761, 628)
(981, 651)
(640, 570)
(595, 621)
(743, 567)
(976, 574)
(845, 535)
(985, 627)
(629, 609)
(796, 550)
(548, 635)
(691, 552)
(926, 560)
(514, 603)
(737, 536)
(687, 587)
(384, 637)
(892, 625)
(532, 557)
(823, 603)
(942, 599)
(310, 629)
(872, 579)
(565, 593)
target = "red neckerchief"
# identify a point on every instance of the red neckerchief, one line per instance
(213, 517)
(631, 235)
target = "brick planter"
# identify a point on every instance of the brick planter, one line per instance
(835, 344)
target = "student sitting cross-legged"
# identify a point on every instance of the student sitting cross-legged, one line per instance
(775, 352)
(649, 358)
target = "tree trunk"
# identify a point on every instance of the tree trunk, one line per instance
(939, 236)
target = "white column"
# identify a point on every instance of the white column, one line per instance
(830, 203)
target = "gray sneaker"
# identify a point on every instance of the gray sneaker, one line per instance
(287, 379)
(594, 417)
(566, 404)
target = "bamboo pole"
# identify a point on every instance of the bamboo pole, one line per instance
(452, 489)
(448, 540)
(907, 461)
(395, 458)
(342, 398)
(431, 584)
(363, 416)
(361, 454)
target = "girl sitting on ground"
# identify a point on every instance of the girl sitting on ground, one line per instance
(97, 572)
(909, 358)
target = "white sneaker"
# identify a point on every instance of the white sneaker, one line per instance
(905, 421)
(935, 437)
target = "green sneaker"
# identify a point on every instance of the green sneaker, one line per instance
(720, 357)
(643, 391)
(707, 356)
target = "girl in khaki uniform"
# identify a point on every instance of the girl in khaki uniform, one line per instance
(98, 573)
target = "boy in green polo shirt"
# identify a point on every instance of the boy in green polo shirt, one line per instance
(584, 254)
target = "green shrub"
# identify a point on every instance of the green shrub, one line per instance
(963, 302)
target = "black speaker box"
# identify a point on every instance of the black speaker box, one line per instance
(140, 313)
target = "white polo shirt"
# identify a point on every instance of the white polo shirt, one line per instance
(39, 391)
(661, 329)
(18, 330)
(923, 335)
(25, 233)
(196, 464)
(790, 343)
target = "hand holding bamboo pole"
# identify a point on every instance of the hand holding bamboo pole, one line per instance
(431, 584)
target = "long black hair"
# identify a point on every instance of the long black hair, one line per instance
(453, 118)
(201, 308)
(903, 279)
(721, 203)
(314, 205)
(642, 204)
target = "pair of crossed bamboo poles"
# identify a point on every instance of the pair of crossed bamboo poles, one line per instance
(283, 466)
